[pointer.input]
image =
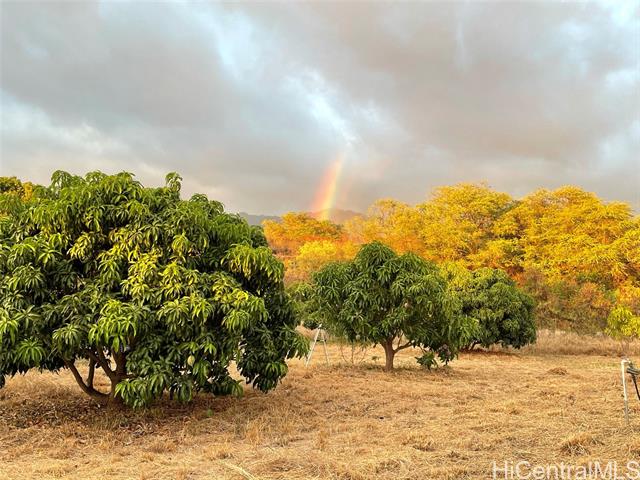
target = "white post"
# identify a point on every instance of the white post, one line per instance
(623, 367)
(313, 345)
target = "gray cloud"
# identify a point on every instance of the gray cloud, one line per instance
(252, 102)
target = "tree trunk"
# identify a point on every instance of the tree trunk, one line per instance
(116, 374)
(113, 399)
(119, 374)
(389, 354)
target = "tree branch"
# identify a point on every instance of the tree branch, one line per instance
(105, 364)
(89, 390)
(71, 366)
(402, 347)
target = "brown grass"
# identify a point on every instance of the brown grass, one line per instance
(568, 343)
(343, 421)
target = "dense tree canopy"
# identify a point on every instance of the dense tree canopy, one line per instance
(623, 323)
(568, 232)
(624, 320)
(504, 314)
(314, 255)
(296, 229)
(13, 191)
(457, 222)
(13, 186)
(391, 222)
(578, 256)
(159, 293)
(396, 301)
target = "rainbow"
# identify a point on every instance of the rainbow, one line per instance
(326, 194)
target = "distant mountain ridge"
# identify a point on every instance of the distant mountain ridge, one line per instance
(335, 215)
(257, 219)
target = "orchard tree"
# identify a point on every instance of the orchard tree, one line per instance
(159, 293)
(503, 313)
(397, 302)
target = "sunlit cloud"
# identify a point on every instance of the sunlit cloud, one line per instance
(251, 102)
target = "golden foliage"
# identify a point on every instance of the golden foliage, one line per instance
(296, 229)
(314, 255)
(583, 252)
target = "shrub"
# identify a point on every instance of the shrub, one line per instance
(623, 324)
(159, 293)
(384, 299)
(503, 313)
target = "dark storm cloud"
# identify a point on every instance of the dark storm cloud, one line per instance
(251, 102)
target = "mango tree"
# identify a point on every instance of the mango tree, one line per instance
(504, 314)
(382, 298)
(160, 294)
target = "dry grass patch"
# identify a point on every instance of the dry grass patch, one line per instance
(578, 444)
(568, 343)
(558, 371)
(344, 421)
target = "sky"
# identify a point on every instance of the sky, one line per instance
(273, 107)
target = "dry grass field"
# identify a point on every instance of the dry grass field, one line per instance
(344, 421)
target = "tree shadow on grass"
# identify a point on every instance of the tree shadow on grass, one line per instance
(66, 405)
(482, 352)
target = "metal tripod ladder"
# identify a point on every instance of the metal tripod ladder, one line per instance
(319, 332)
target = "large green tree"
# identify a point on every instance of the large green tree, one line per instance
(504, 314)
(396, 301)
(159, 293)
